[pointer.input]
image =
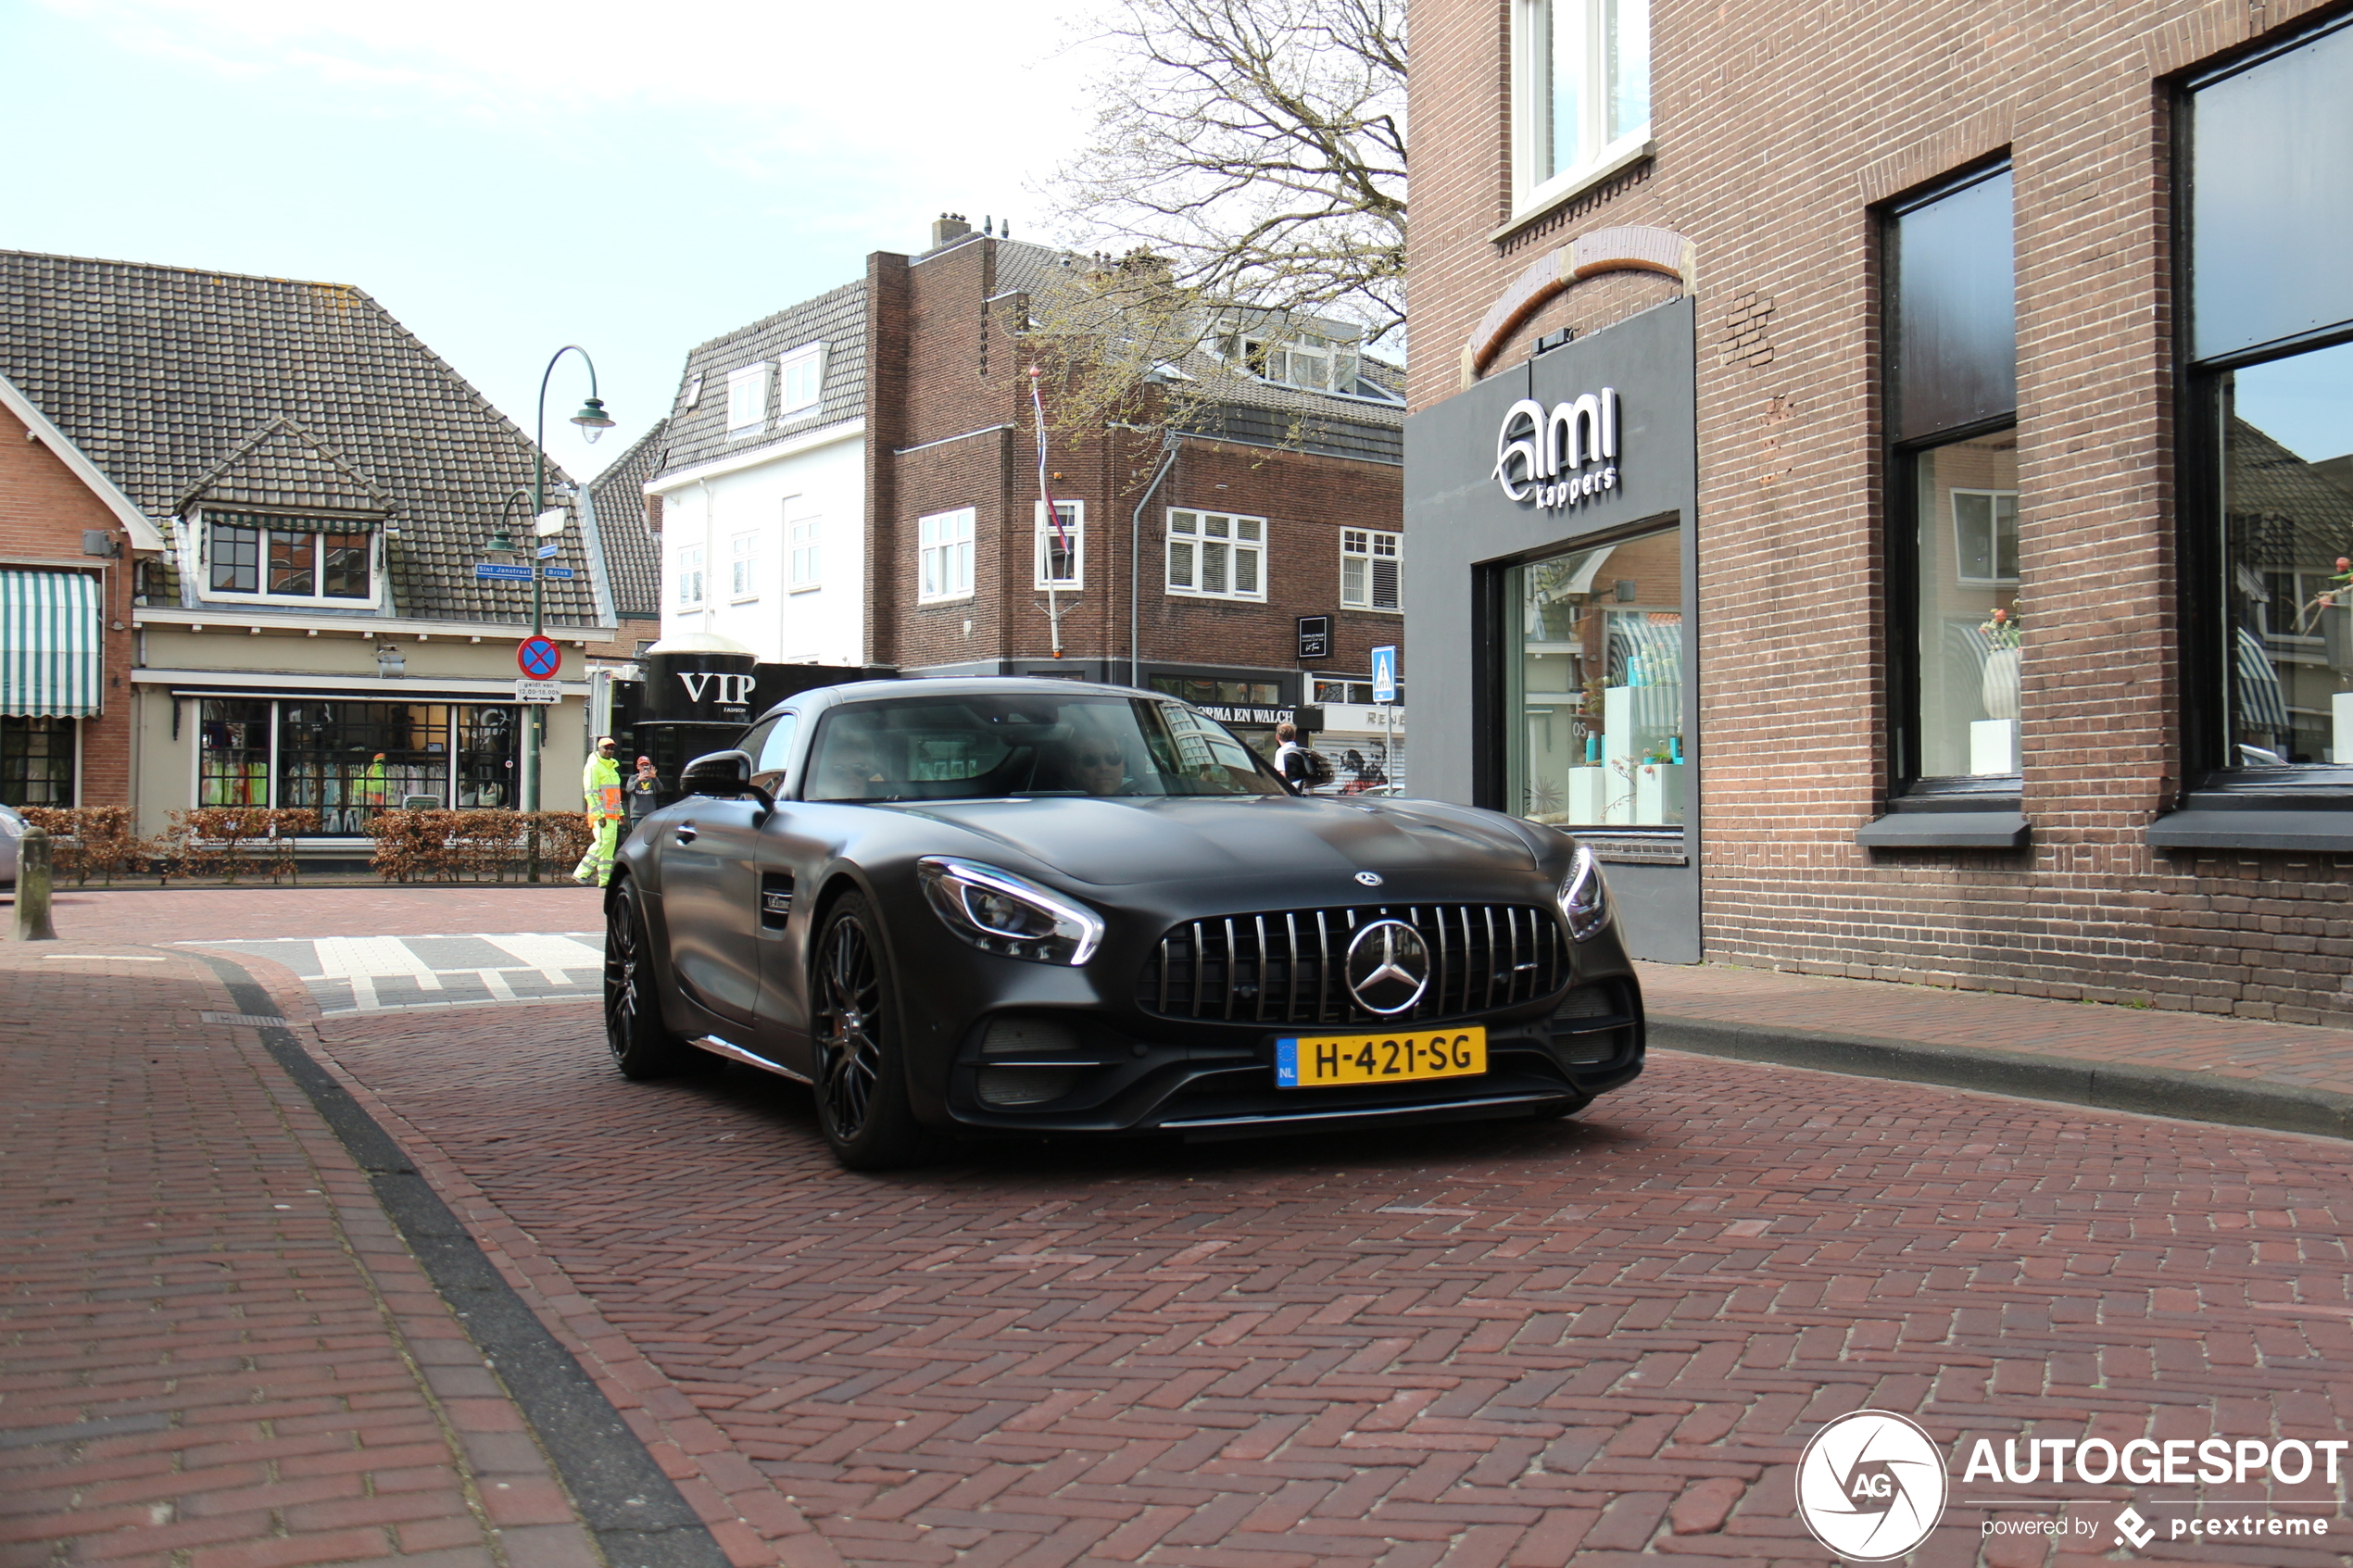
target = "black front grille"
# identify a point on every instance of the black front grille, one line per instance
(1290, 967)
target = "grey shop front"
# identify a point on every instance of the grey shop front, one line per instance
(1551, 609)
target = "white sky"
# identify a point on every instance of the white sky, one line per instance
(508, 178)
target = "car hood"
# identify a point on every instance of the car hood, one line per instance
(1122, 840)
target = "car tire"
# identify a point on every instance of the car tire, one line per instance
(862, 1079)
(641, 1047)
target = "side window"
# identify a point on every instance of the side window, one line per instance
(774, 745)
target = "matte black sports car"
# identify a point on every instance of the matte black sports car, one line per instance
(1032, 906)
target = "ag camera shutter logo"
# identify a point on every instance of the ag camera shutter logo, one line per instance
(1871, 1486)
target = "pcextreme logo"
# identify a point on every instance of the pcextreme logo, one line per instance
(1870, 1486)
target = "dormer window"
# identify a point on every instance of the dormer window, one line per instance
(1313, 361)
(288, 559)
(802, 383)
(748, 399)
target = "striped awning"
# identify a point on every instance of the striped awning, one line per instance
(51, 663)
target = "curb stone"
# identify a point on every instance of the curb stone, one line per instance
(633, 1508)
(2147, 1091)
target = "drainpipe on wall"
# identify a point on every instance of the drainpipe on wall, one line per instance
(1135, 567)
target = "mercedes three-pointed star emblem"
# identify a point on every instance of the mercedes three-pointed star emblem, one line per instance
(1388, 967)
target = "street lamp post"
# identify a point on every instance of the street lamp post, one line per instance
(592, 422)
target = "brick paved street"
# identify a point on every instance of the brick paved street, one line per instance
(1597, 1341)
(214, 1351)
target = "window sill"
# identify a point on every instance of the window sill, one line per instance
(2226, 820)
(944, 599)
(805, 588)
(283, 601)
(1544, 203)
(1217, 599)
(1370, 609)
(1964, 818)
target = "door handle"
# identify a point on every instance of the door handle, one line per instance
(685, 833)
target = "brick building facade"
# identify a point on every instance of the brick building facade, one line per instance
(63, 523)
(1768, 216)
(921, 374)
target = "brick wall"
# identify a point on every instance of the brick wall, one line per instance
(43, 509)
(944, 365)
(1776, 129)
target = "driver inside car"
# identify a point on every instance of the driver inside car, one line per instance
(1096, 764)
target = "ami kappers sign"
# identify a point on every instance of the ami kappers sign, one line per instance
(1559, 456)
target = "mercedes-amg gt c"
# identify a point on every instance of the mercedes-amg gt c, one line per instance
(992, 907)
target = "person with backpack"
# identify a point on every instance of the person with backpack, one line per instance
(1301, 769)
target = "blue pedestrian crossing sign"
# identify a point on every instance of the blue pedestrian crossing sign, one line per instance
(1385, 674)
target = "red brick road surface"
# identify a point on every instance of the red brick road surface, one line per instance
(214, 1352)
(1603, 1340)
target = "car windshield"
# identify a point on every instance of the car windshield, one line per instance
(991, 744)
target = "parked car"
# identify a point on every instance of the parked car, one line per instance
(12, 829)
(1032, 907)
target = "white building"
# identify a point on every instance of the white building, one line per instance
(760, 497)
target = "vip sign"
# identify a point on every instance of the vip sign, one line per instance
(1561, 458)
(728, 690)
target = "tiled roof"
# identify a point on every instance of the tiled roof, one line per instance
(165, 375)
(633, 551)
(699, 418)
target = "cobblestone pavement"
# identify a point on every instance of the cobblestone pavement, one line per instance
(1603, 1340)
(214, 1352)
(2297, 1054)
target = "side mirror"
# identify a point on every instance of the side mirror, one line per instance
(723, 775)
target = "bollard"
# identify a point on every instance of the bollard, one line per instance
(33, 888)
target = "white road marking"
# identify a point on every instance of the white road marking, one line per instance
(549, 955)
(555, 959)
(352, 957)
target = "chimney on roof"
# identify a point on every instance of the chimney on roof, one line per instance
(947, 227)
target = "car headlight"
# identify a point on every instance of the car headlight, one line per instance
(1584, 901)
(1000, 913)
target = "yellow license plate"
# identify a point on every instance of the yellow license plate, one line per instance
(1328, 1062)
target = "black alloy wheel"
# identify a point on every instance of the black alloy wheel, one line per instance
(861, 1085)
(641, 1047)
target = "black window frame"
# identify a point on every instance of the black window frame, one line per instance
(1899, 633)
(2201, 548)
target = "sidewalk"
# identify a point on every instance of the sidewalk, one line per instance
(217, 1350)
(2286, 1077)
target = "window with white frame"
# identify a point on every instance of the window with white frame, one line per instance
(1214, 555)
(1315, 360)
(1580, 91)
(806, 564)
(743, 560)
(1061, 553)
(944, 555)
(303, 560)
(690, 577)
(748, 398)
(803, 373)
(1368, 563)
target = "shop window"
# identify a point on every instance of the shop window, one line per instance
(232, 752)
(1349, 689)
(1214, 555)
(943, 555)
(801, 540)
(487, 755)
(349, 760)
(1369, 563)
(2268, 558)
(1062, 551)
(802, 376)
(36, 760)
(748, 399)
(1956, 609)
(1209, 692)
(1580, 92)
(1594, 669)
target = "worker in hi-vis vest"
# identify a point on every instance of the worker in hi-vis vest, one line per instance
(600, 789)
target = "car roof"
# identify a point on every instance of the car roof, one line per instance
(954, 686)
